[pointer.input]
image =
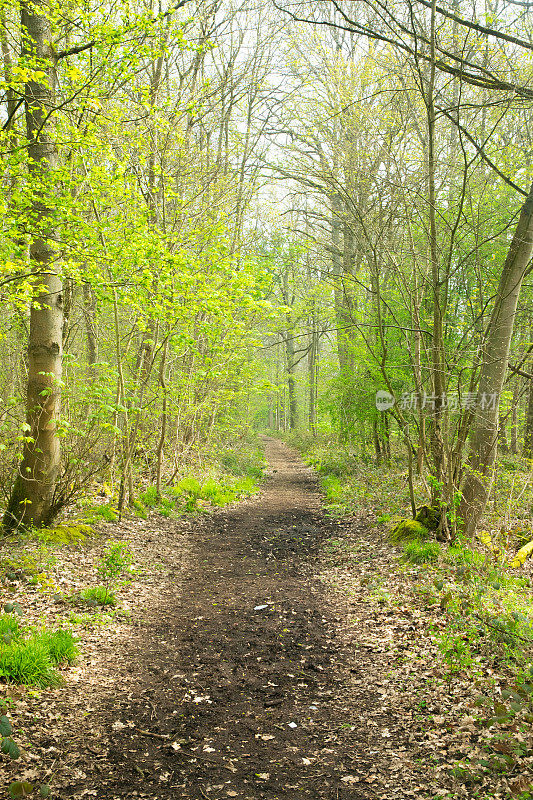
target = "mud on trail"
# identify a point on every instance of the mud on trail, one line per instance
(236, 680)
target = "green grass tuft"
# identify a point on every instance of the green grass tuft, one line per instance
(61, 645)
(100, 595)
(421, 552)
(463, 555)
(9, 628)
(97, 513)
(31, 659)
(28, 663)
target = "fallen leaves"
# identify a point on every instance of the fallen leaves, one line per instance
(350, 779)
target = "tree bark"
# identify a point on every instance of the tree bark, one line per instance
(484, 433)
(32, 498)
(514, 420)
(164, 419)
(502, 436)
(291, 381)
(312, 363)
(288, 338)
(377, 442)
(528, 434)
(89, 313)
(437, 355)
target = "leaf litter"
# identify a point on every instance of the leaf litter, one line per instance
(193, 694)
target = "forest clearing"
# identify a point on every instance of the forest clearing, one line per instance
(266, 399)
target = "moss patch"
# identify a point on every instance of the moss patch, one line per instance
(408, 530)
(429, 517)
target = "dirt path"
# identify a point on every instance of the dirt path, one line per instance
(236, 682)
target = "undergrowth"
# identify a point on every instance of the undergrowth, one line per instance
(351, 484)
(233, 475)
(418, 552)
(29, 656)
(236, 475)
(478, 611)
(98, 596)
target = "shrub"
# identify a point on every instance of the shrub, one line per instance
(116, 560)
(188, 489)
(140, 509)
(247, 464)
(166, 507)
(332, 486)
(338, 464)
(149, 497)
(217, 493)
(187, 486)
(421, 552)
(244, 486)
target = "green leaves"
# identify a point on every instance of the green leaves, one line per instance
(10, 748)
(115, 561)
(5, 726)
(13, 608)
(21, 789)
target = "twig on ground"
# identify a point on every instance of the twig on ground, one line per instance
(163, 736)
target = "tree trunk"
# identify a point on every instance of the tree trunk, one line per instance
(89, 313)
(514, 419)
(164, 417)
(502, 436)
(291, 381)
(484, 434)
(336, 228)
(288, 338)
(312, 360)
(386, 435)
(528, 433)
(377, 443)
(32, 499)
(344, 267)
(438, 306)
(69, 291)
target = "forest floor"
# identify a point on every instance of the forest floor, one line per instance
(248, 669)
